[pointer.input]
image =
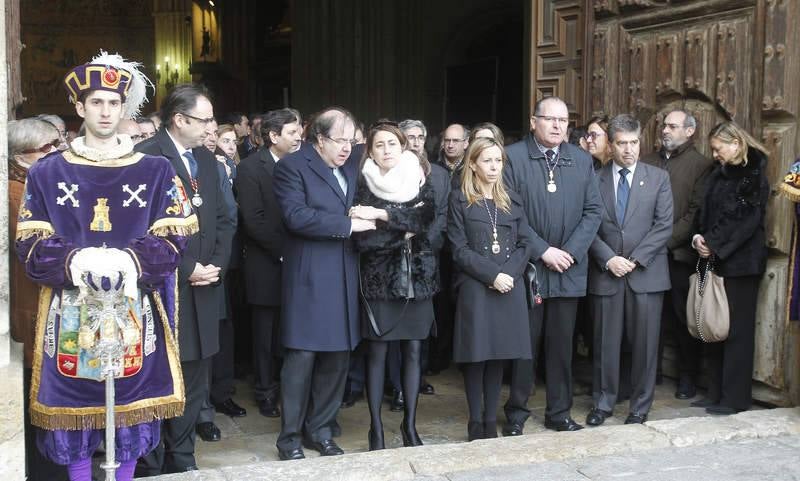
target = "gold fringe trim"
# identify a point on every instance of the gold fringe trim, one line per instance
(28, 229)
(97, 420)
(175, 226)
(790, 191)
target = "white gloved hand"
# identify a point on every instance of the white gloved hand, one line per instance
(104, 262)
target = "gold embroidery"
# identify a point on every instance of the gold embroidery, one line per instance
(101, 222)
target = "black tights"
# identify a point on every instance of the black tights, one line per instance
(482, 386)
(411, 376)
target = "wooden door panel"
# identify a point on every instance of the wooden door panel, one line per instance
(669, 63)
(700, 71)
(781, 57)
(734, 69)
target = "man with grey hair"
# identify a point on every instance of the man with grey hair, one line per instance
(628, 272)
(59, 124)
(687, 170)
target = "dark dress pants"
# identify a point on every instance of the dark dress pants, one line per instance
(312, 386)
(220, 373)
(176, 452)
(554, 319)
(637, 315)
(731, 361)
(674, 318)
(265, 325)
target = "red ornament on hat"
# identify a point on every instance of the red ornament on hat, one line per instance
(110, 76)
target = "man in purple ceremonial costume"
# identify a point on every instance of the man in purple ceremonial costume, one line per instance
(95, 218)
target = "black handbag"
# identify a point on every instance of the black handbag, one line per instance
(532, 286)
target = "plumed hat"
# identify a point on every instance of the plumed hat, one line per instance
(111, 73)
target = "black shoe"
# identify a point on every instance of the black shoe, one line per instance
(409, 434)
(636, 418)
(474, 430)
(490, 430)
(686, 388)
(326, 447)
(721, 410)
(596, 417)
(567, 424)
(398, 402)
(230, 408)
(426, 388)
(269, 408)
(703, 403)
(350, 398)
(208, 432)
(375, 438)
(512, 429)
(291, 454)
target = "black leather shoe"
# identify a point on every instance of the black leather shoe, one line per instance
(596, 417)
(375, 438)
(409, 434)
(326, 447)
(721, 410)
(269, 408)
(567, 424)
(636, 418)
(426, 388)
(290, 454)
(230, 408)
(398, 402)
(703, 403)
(512, 429)
(686, 388)
(350, 398)
(208, 432)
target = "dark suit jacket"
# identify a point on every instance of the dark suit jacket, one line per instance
(642, 237)
(263, 229)
(199, 307)
(319, 309)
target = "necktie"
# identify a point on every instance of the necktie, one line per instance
(623, 190)
(549, 154)
(340, 178)
(192, 163)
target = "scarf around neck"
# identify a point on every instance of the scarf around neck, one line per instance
(400, 184)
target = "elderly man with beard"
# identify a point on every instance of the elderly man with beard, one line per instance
(687, 170)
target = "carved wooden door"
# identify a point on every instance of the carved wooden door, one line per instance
(734, 59)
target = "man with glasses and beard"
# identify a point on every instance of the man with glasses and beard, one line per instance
(687, 170)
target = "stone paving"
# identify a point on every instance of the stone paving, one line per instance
(679, 442)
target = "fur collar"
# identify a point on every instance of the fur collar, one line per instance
(124, 147)
(400, 184)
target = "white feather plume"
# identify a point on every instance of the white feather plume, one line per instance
(137, 93)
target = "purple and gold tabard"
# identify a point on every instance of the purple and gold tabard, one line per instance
(133, 202)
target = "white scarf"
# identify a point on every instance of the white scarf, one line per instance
(400, 184)
(124, 147)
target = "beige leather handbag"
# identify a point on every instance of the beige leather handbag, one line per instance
(707, 310)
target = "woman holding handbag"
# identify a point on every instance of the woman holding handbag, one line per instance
(398, 269)
(491, 243)
(730, 234)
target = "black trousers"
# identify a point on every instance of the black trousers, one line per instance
(176, 451)
(553, 320)
(220, 375)
(674, 318)
(265, 330)
(440, 347)
(312, 386)
(731, 361)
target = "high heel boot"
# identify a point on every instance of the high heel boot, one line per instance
(375, 438)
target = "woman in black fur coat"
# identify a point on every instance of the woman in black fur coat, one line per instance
(730, 231)
(398, 269)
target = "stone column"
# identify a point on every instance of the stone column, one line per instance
(12, 435)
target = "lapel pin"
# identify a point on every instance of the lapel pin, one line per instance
(641, 183)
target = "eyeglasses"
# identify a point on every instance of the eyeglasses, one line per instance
(205, 121)
(548, 119)
(53, 144)
(416, 138)
(593, 135)
(342, 142)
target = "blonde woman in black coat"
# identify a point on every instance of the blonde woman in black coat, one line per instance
(398, 269)
(491, 242)
(729, 228)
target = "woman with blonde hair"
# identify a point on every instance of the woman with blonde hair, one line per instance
(730, 234)
(487, 130)
(491, 242)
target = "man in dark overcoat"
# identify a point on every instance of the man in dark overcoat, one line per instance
(315, 187)
(628, 272)
(186, 112)
(688, 170)
(264, 237)
(559, 193)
